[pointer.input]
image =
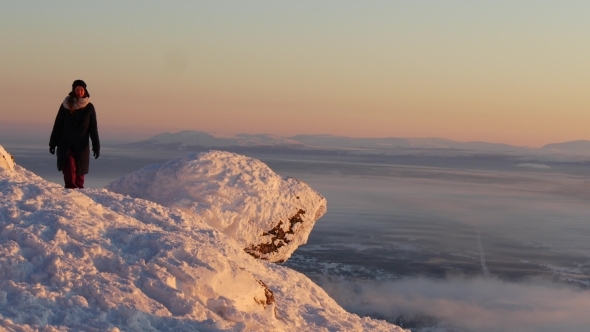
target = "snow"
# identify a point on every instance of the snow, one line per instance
(6, 160)
(269, 215)
(94, 260)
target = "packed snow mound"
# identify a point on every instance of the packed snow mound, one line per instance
(269, 215)
(93, 260)
(6, 161)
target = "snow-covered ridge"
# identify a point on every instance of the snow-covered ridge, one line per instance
(388, 143)
(203, 139)
(197, 138)
(581, 146)
(269, 215)
(94, 260)
(578, 150)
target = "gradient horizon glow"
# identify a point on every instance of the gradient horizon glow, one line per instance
(514, 72)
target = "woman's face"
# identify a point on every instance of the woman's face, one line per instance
(79, 91)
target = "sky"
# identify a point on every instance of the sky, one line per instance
(514, 72)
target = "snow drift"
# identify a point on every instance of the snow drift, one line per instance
(269, 215)
(94, 260)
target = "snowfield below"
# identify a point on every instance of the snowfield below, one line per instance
(94, 260)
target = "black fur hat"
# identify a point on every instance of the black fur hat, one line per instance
(82, 84)
(78, 83)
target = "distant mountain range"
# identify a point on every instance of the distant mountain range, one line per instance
(199, 138)
(196, 139)
(581, 146)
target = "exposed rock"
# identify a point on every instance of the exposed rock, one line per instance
(268, 294)
(269, 215)
(278, 238)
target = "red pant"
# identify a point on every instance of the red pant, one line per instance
(71, 179)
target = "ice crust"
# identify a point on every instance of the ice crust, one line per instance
(269, 215)
(94, 260)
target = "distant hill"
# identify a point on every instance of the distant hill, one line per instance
(388, 143)
(189, 138)
(581, 146)
(337, 145)
(199, 138)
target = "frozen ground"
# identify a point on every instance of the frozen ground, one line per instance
(95, 260)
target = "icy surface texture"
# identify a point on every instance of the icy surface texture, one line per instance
(269, 215)
(93, 260)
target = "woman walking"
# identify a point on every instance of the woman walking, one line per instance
(74, 125)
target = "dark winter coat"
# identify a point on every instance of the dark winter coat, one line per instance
(72, 131)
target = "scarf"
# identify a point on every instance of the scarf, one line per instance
(80, 103)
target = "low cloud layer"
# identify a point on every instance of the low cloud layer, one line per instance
(537, 166)
(469, 305)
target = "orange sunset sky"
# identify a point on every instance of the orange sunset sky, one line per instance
(514, 72)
